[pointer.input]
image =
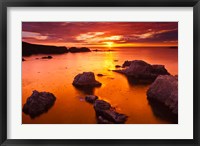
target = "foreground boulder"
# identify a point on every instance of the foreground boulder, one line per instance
(141, 72)
(107, 114)
(126, 64)
(86, 79)
(38, 103)
(91, 98)
(163, 96)
(77, 50)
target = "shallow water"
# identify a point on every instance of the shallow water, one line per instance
(56, 75)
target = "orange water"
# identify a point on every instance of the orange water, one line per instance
(56, 75)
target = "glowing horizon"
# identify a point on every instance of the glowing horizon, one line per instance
(101, 34)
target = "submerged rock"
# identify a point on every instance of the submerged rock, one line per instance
(163, 92)
(141, 72)
(106, 114)
(47, 57)
(100, 75)
(91, 98)
(86, 79)
(38, 103)
(117, 66)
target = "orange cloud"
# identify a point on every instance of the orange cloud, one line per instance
(35, 35)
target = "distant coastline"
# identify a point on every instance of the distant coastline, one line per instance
(30, 49)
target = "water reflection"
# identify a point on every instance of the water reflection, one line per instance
(86, 90)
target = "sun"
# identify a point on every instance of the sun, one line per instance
(109, 44)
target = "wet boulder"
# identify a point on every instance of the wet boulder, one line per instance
(91, 98)
(163, 93)
(159, 69)
(38, 103)
(86, 79)
(106, 114)
(126, 64)
(142, 72)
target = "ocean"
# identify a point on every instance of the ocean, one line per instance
(56, 76)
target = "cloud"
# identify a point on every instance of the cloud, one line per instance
(35, 35)
(88, 33)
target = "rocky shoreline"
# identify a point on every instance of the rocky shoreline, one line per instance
(162, 93)
(31, 49)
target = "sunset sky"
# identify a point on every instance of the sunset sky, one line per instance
(101, 34)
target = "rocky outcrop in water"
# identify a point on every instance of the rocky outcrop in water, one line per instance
(106, 114)
(117, 66)
(38, 103)
(141, 72)
(86, 79)
(30, 49)
(163, 96)
(126, 64)
(100, 75)
(91, 98)
(76, 50)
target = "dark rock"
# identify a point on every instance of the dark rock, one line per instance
(86, 79)
(47, 57)
(91, 98)
(77, 50)
(100, 75)
(176, 76)
(106, 114)
(101, 120)
(126, 64)
(159, 69)
(142, 72)
(30, 49)
(38, 103)
(23, 59)
(164, 92)
(101, 105)
(117, 66)
(116, 60)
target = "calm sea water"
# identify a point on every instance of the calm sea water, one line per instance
(56, 75)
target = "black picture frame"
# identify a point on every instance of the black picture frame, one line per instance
(4, 4)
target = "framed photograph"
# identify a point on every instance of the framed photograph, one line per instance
(99, 72)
